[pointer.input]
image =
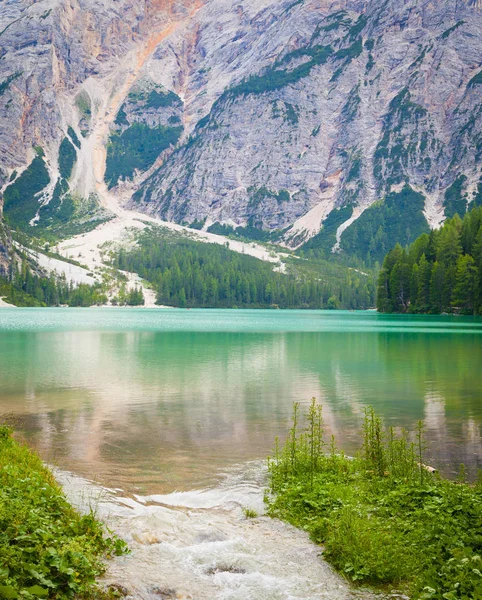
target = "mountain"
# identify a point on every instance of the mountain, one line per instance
(338, 125)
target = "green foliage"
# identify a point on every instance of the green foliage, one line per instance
(157, 99)
(24, 288)
(382, 517)
(6, 83)
(441, 272)
(358, 27)
(291, 115)
(46, 548)
(137, 148)
(186, 273)
(83, 103)
(396, 151)
(450, 30)
(351, 52)
(121, 117)
(67, 158)
(276, 78)
(250, 232)
(21, 204)
(476, 80)
(455, 201)
(350, 109)
(326, 238)
(398, 217)
(257, 195)
(132, 297)
(73, 136)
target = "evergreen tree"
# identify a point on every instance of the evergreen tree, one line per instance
(466, 292)
(440, 272)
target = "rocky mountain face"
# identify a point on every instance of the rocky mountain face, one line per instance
(344, 125)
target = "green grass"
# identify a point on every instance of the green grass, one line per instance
(47, 550)
(382, 518)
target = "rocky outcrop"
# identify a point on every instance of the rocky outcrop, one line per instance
(343, 107)
(291, 116)
(62, 65)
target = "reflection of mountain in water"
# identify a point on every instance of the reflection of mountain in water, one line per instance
(168, 410)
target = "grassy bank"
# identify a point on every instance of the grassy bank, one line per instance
(47, 550)
(382, 518)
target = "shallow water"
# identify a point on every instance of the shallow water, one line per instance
(198, 545)
(154, 401)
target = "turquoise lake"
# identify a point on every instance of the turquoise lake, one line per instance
(159, 400)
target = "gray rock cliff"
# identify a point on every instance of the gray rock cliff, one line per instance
(286, 116)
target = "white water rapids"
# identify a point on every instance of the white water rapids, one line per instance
(199, 545)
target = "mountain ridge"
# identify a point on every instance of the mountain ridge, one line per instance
(287, 118)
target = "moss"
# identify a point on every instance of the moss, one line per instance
(351, 52)
(393, 151)
(350, 109)
(347, 54)
(83, 103)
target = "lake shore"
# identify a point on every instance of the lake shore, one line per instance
(47, 549)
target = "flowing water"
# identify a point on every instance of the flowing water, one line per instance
(176, 410)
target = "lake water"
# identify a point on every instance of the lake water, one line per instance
(159, 400)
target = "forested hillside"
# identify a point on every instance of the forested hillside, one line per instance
(24, 287)
(192, 274)
(440, 272)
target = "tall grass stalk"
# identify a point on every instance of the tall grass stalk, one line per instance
(382, 516)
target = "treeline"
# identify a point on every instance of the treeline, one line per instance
(439, 272)
(23, 287)
(185, 273)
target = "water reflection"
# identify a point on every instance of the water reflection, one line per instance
(157, 411)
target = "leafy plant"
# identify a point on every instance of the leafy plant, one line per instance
(382, 518)
(46, 548)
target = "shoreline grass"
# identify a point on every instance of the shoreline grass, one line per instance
(47, 549)
(382, 517)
